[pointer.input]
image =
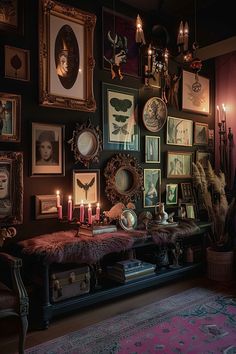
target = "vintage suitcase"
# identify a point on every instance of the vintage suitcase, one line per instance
(69, 283)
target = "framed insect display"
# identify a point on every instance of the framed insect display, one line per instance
(86, 187)
(120, 124)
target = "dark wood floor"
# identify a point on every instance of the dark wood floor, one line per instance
(96, 313)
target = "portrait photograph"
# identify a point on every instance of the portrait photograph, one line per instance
(11, 16)
(171, 194)
(66, 56)
(17, 63)
(47, 149)
(120, 109)
(179, 131)
(152, 187)
(86, 187)
(195, 93)
(45, 206)
(200, 133)
(179, 164)
(152, 149)
(10, 117)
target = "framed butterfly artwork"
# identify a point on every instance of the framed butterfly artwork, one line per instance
(120, 118)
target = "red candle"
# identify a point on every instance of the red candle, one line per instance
(59, 212)
(81, 212)
(97, 217)
(58, 198)
(69, 208)
(90, 214)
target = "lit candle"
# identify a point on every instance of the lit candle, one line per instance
(69, 211)
(58, 198)
(218, 114)
(224, 112)
(97, 217)
(59, 212)
(186, 30)
(81, 212)
(180, 37)
(89, 214)
(149, 58)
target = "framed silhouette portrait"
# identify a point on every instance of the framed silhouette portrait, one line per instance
(86, 187)
(47, 149)
(66, 56)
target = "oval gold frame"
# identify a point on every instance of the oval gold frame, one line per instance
(96, 135)
(130, 166)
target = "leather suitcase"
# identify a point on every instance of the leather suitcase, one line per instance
(69, 283)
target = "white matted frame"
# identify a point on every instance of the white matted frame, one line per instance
(179, 164)
(17, 63)
(179, 131)
(45, 206)
(48, 149)
(66, 56)
(86, 187)
(152, 149)
(195, 93)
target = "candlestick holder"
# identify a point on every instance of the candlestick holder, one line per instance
(225, 147)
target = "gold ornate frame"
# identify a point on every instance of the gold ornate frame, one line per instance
(126, 169)
(11, 204)
(54, 16)
(11, 113)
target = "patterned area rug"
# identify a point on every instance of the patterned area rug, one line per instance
(196, 321)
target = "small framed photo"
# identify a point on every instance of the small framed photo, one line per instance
(152, 187)
(179, 164)
(17, 63)
(86, 187)
(152, 149)
(120, 120)
(10, 117)
(11, 16)
(191, 211)
(45, 206)
(195, 93)
(203, 157)
(179, 131)
(48, 149)
(171, 194)
(211, 139)
(186, 192)
(11, 191)
(200, 133)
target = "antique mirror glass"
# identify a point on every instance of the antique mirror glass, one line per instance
(128, 220)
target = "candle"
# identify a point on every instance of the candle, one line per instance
(149, 58)
(185, 36)
(58, 198)
(89, 214)
(97, 217)
(59, 212)
(180, 37)
(224, 112)
(218, 114)
(81, 212)
(69, 211)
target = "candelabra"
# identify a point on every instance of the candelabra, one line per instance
(225, 147)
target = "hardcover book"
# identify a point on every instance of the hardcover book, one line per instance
(96, 229)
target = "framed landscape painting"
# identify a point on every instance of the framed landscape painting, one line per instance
(45, 206)
(120, 118)
(195, 93)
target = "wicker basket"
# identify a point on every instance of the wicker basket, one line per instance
(220, 265)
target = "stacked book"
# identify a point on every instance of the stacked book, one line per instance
(94, 230)
(130, 269)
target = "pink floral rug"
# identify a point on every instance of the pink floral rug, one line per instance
(196, 321)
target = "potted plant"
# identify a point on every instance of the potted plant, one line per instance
(210, 189)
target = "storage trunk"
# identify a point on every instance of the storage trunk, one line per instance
(69, 283)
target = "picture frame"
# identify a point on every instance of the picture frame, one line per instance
(17, 63)
(119, 26)
(48, 150)
(179, 131)
(203, 157)
(66, 61)
(191, 211)
(11, 16)
(186, 191)
(195, 93)
(152, 187)
(171, 194)
(200, 133)
(45, 207)
(10, 118)
(120, 118)
(152, 149)
(86, 187)
(211, 139)
(179, 164)
(11, 193)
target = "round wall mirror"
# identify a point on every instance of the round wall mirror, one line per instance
(124, 179)
(128, 220)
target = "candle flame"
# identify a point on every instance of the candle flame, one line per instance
(57, 192)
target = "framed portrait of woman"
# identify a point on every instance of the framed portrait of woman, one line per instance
(152, 187)
(66, 56)
(47, 149)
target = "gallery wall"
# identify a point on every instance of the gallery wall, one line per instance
(31, 111)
